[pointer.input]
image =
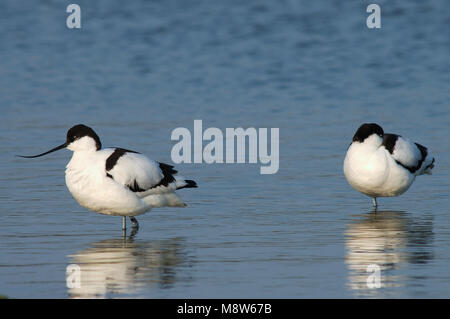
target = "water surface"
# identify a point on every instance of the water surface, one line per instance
(137, 70)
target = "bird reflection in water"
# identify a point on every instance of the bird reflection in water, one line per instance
(124, 267)
(390, 240)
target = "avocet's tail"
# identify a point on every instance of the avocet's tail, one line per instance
(185, 183)
(427, 161)
(428, 165)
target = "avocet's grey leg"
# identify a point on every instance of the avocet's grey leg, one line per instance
(134, 231)
(134, 222)
(124, 223)
(374, 200)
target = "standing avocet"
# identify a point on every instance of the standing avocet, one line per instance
(384, 165)
(117, 181)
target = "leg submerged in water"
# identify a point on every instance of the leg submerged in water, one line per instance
(374, 200)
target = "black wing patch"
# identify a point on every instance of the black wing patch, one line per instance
(167, 171)
(423, 152)
(135, 187)
(168, 178)
(389, 141)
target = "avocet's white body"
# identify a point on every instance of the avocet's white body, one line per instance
(384, 165)
(116, 181)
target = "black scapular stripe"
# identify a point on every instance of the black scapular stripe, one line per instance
(389, 141)
(111, 161)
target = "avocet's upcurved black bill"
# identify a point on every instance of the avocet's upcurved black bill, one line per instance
(52, 150)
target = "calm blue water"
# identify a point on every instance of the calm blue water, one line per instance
(137, 70)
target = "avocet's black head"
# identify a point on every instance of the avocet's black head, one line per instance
(79, 131)
(366, 130)
(79, 137)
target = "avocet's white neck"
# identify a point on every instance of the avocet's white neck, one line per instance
(86, 143)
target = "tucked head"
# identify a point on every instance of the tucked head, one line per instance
(80, 137)
(366, 130)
